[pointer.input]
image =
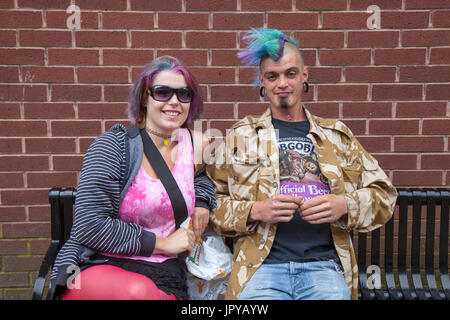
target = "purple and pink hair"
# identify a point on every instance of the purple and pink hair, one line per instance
(137, 98)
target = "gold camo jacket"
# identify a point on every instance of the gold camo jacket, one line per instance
(245, 169)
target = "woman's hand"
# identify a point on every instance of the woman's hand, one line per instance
(179, 241)
(200, 219)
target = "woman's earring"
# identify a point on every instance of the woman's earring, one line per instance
(305, 87)
(262, 92)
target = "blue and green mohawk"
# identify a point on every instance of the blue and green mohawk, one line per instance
(262, 42)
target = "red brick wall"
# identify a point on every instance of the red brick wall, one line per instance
(60, 88)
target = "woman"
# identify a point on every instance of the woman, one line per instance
(124, 242)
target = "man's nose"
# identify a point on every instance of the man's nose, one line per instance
(282, 82)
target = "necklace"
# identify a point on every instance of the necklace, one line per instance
(165, 137)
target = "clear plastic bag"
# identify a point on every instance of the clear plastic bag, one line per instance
(207, 276)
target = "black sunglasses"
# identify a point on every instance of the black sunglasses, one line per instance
(165, 93)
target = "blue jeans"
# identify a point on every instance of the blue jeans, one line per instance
(317, 280)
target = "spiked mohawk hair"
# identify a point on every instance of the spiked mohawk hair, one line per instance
(262, 42)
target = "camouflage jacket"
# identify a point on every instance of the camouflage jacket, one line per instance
(245, 169)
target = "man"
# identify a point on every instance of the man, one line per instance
(290, 187)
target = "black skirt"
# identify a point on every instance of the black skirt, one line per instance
(168, 276)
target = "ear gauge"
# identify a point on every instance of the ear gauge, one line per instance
(262, 92)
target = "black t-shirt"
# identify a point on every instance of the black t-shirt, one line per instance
(298, 240)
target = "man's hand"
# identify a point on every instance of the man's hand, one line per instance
(200, 219)
(324, 209)
(277, 208)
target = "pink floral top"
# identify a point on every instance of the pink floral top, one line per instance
(148, 204)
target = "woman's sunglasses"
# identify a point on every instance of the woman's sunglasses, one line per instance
(165, 93)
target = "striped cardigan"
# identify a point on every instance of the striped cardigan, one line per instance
(109, 166)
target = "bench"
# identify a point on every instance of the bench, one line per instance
(407, 259)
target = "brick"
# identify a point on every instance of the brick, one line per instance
(218, 39)
(435, 161)
(75, 128)
(417, 178)
(12, 214)
(22, 128)
(422, 109)
(9, 110)
(293, 20)
(21, 56)
(102, 4)
(6, 4)
(45, 110)
(11, 180)
(415, 38)
(9, 74)
(22, 197)
(324, 109)
(169, 20)
(51, 179)
(58, 19)
(430, 4)
(116, 93)
(255, 108)
(22, 263)
(39, 213)
(39, 246)
(345, 20)
(418, 144)
(187, 57)
(342, 92)
(13, 280)
(218, 111)
(73, 57)
(372, 38)
(367, 110)
(440, 55)
(67, 163)
(225, 58)
(8, 38)
(332, 57)
(375, 144)
(211, 5)
(23, 163)
(358, 127)
(45, 38)
(397, 161)
(10, 145)
(102, 75)
(214, 75)
(441, 18)
(102, 110)
(128, 20)
(396, 92)
(156, 5)
(400, 56)
(425, 74)
(247, 75)
(436, 126)
(383, 4)
(321, 5)
(50, 145)
(20, 19)
(44, 4)
(152, 39)
(239, 21)
(62, 92)
(404, 19)
(320, 39)
(370, 74)
(233, 93)
(398, 127)
(438, 92)
(101, 39)
(47, 74)
(324, 74)
(127, 57)
(265, 5)
(11, 247)
(23, 92)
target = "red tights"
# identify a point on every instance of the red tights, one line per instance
(105, 282)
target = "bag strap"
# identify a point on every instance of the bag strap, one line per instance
(165, 175)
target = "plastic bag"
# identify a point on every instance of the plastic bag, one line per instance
(207, 276)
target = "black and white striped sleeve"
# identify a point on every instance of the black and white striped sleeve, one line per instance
(96, 224)
(205, 193)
